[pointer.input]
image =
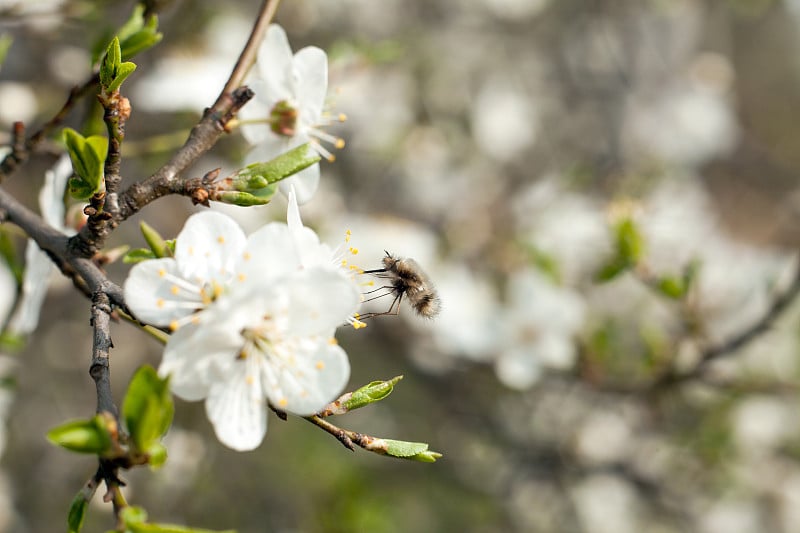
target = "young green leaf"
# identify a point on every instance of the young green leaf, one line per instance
(370, 393)
(415, 451)
(135, 521)
(110, 63)
(137, 35)
(147, 408)
(88, 155)
(258, 175)
(83, 436)
(155, 241)
(137, 255)
(77, 512)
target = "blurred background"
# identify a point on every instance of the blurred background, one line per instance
(604, 193)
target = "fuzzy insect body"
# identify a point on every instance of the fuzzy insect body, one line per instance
(406, 278)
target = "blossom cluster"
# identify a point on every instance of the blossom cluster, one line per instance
(253, 320)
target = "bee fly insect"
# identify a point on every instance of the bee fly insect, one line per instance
(405, 278)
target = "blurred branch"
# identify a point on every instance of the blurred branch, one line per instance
(732, 345)
(21, 151)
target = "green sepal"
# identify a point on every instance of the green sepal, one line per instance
(414, 451)
(259, 175)
(158, 245)
(77, 512)
(370, 393)
(147, 408)
(83, 436)
(87, 155)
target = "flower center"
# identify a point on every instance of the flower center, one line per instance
(283, 119)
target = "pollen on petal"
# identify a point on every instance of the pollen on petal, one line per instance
(174, 325)
(332, 341)
(283, 402)
(241, 277)
(353, 250)
(190, 250)
(249, 379)
(247, 256)
(162, 273)
(221, 239)
(160, 303)
(319, 365)
(174, 289)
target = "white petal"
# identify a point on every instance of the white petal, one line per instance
(257, 109)
(311, 82)
(518, 369)
(35, 283)
(208, 247)
(311, 381)
(275, 64)
(51, 196)
(320, 300)
(157, 294)
(195, 357)
(237, 408)
(273, 145)
(269, 253)
(304, 182)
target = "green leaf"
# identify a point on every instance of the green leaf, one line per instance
(370, 393)
(258, 175)
(135, 521)
(83, 436)
(110, 63)
(155, 241)
(629, 249)
(137, 35)
(147, 408)
(124, 70)
(671, 287)
(246, 199)
(5, 46)
(630, 242)
(87, 155)
(138, 255)
(77, 512)
(415, 451)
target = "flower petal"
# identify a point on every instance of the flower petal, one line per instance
(269, 253)
(310, 69)
(304, 182)
(208, 247)
(275, 65)
(35, 284)
(8, 291)
(314, 379)
(256, 112)
(195, 357)
(236, 407)
(157, 294)
(320, 300)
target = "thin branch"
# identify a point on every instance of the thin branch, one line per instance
(248, 56)
(732, 345)
(21, 154)
(101, 346)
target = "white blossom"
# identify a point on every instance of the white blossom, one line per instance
(288, 108)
